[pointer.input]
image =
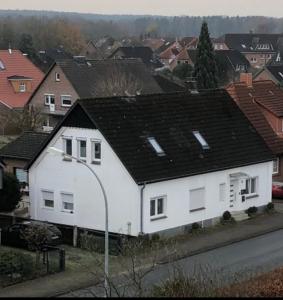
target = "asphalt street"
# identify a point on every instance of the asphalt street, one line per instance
(236, 261)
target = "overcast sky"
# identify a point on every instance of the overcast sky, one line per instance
(156, 7)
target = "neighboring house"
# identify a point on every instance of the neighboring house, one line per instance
(169, 55)
(271, 72)
(191, 43)
(17, 154)
(259, 49)
(154, 44)
(19, 77)
(262, 103)
(91, 51)
(2, 165)
(72, 79)
(231, 63)
(141, 52)
(165, 161)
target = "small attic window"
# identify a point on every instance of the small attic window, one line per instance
(201, 139)
(2, 67)
(156, 146)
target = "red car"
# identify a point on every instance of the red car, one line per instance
(277, 190)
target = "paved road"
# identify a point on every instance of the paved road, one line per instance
(238, 260)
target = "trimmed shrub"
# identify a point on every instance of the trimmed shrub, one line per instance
(226, 216)
(16, 263)
(155, 237)
(251, 210)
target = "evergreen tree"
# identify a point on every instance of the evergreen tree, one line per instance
(205, 66)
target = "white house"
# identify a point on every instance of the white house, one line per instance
(166, 161)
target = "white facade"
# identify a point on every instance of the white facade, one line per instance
(53, 174)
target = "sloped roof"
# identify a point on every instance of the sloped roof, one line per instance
(25, 146)
(104, 78)
(275, 71)
(15, 63)
(127, 122)
(249, 98)
(169, 85)
(246, 42)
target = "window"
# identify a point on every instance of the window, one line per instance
(276, 166)
(82, 149)
(244, 46)
(222, 192)
(21, 175)
(251, 186)
(96, 151)
(67, 145)
(57, 76)
(48, 199)
(49, 99)
(22, 87)
(67, 202)
(201, 139)
(66, 100)
(281, 74)
(157, 207)
(2, 67)
(157, 148)
(197, 199)
(253, 59)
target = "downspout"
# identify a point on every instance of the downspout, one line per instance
(141, 207)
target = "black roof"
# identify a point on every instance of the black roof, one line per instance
(25, 146)
(128, 122)
(232, 58)
(276, 70)
(108, 77)
(143, 52)
(169, 85)
(247, 42)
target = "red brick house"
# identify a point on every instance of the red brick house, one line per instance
(262, 103)
(19, 77)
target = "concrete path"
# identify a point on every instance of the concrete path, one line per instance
(69, 281)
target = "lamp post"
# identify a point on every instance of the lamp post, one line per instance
(54, 150)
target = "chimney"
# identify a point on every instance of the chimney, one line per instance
(247, 78)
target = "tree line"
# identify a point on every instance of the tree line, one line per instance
(73, 30)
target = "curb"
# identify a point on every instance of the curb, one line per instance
(219, 245)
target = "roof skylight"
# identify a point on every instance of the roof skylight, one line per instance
(244, 46)
(201, 139)
(2, 67)
(280, 73)
(156, 146)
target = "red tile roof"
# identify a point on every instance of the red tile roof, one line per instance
(249, 100)
(16, 64)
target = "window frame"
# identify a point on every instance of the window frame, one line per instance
(157, 215)
(79, 140)
(22, 84)
(62, 99)
(278, 163)
(57, 79)
(48, 96)
(43, 200)
(71, 211)
(95, 160)
(64, 141)
(247, 191)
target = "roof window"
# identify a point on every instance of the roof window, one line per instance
(2, 67)
(244, 46)
(280, 73)
(156, 146)
(201, 140)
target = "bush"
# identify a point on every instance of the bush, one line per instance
(155, 237)
(269, 207)
(226, 216)
(195, 226)
(15, 263)
(251, 210)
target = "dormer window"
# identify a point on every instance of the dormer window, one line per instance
(157, 148)
(57, 76)
(201, 140)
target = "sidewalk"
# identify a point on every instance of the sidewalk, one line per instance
(71, 279)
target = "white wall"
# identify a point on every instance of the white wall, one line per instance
(178, 193)
(52, 173)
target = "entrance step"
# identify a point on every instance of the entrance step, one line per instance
(239, 215)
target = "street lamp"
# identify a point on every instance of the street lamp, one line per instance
(56, 151)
